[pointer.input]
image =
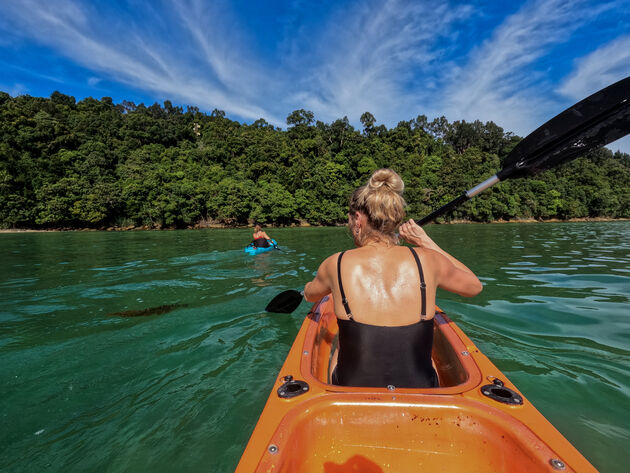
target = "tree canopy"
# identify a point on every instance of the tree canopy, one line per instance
(96, 164)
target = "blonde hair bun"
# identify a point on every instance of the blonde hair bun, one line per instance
(387, 178)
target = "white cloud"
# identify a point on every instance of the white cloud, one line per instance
(503, 81)
(604, 66)
(94, 81)
(16, 89)
(221, 47)
(169, 68)
(499, 83)
(368, 56)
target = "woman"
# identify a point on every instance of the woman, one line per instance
(261, 239)
(384, 294)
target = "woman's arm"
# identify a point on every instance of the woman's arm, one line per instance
(457, 280)
(453, 275)
(322, 284)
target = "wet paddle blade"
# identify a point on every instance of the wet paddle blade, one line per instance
(285, 302)
(594, 122)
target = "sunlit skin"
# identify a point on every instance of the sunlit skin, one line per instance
(261, 234)
(381, 280)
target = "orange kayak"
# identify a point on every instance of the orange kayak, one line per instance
(476, 421)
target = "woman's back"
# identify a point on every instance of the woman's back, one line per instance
(260, 234)
(382, 285)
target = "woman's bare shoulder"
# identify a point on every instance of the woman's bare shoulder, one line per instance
(332, 259)
(327, 264)
(430, 257)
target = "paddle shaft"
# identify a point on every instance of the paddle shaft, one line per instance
(469, 194)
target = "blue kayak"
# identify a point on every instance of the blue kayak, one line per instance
(252, 250)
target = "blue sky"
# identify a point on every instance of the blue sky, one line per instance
(516, 63)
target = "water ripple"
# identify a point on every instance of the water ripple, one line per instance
(86, 392)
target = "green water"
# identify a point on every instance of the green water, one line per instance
(82, 391)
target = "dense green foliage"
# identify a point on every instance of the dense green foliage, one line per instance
(96, 164)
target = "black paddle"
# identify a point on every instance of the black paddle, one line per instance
(594, 122)
(285, 302)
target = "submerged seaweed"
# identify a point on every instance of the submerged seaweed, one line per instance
(163, 309)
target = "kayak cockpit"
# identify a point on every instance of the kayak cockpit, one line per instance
(310, 425)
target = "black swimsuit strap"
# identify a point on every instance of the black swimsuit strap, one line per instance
(344, 301)
(423, 285)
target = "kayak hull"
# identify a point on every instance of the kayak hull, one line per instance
(251, 250)
(309, 425)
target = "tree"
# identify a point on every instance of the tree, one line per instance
(94, 163)
(273, 203)
(368, 121)
(60, 99)
(300, 118)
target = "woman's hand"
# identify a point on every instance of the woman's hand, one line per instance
(413, 234)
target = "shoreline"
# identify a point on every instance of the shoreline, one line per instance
(206, 226)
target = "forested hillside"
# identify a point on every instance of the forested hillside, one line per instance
(98, 164)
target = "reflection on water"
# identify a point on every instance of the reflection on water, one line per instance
(182, 390)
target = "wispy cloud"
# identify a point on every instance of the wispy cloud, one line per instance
(369, 55)
(171, 69)
(501, 82)
(221, 49)
(14, 89)
(602, 67)
(94, 81)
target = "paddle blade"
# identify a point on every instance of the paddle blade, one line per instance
(589, 124)
(285, 302)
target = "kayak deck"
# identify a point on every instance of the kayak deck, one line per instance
(309, 425)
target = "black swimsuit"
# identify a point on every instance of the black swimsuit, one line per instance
(261, 243)
(378, 356)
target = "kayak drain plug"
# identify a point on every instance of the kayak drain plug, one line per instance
(498, 392)
(292, 387)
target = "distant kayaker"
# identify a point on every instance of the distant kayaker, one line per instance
(261, 239)
(384, 293)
